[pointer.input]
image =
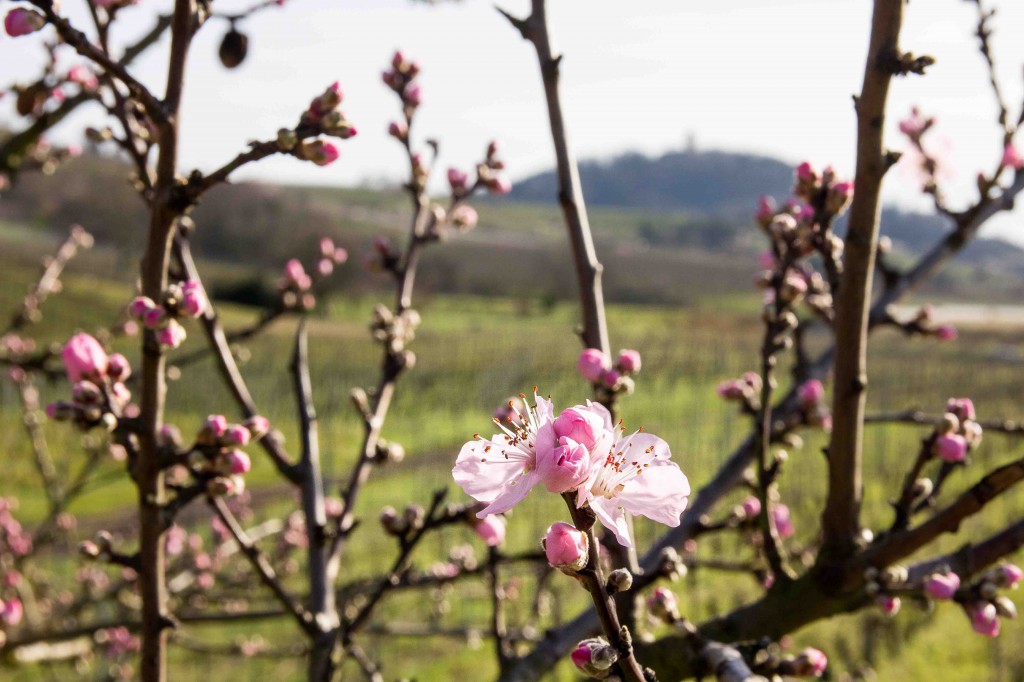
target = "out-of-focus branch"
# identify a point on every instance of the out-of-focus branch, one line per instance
(974, 556)
(840, 520)
(220, 345)
(1010, 427)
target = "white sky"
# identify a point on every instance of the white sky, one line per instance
(767, 76)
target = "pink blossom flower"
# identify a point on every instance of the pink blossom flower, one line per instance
(629, 361)
(592, 364)
(940, 586)
(491, 529)
(783, 521)
(140, 305)
(21, 22)
(766, 209)
(583, 424)
(1012, 158)
(118, 368)
(563, 465)
(84, 358)
(950, 448)
(154, 317)
(502, 470)
(984, 619)
(636, 476)
(566, 547)
(236, 434)
(215, 425)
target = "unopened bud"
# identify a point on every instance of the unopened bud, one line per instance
(619, 580)
(566, 547)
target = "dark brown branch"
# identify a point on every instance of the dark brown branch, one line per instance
(1010, 427)
(840, 520)
(570, 193)
(974, 557)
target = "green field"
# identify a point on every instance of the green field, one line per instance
(472, 353)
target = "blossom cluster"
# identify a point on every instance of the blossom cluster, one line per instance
(577, 451)
(322, 116)
(958, 433)
(296, 285)
(215, 456)
(180, 300)
(98, 393)
(595, 366)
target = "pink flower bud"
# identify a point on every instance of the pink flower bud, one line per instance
(889, 604)
(950, 448)
(319, 152)
(732, 389)
(783, 521)
(413, 95)
(491, 529)
(13, 610)
(499, 185)
(946, 332)
(611, 377)
(1012, 574)
(915, 124)
(238, 462)
(594, 657)
(172, 336)
(457, 179)
(464, 217)
(398, 129)
(963, 408)
(340, 256)
(294, 272)
(566, 547)
(84, 77)
(629, 361)
(805, 172)
(984, 619)
(193, 303)
(324, 267)
(592, 364)
(215, 425)
(750, 507)
(21, 22)
(327, 247)
(942, 587)
(84, 358)
(236, 434)
(563, 467)
(118, 368)
(258, 426)
(810, 662)
(663, 605)
(811, 393)
(765, 209)
(1012, 158)
(153, 317)
(581, 424)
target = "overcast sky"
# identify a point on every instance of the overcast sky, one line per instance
(767, 76)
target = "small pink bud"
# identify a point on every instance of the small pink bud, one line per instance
(21, 22)
(564, 466)
(464, 217)
(13, 611)
(611, 377)
(805, 172)
(766, 210)
(294, 272)
(413, 95)
(83, 76)
(783, 521)
(594, 657)
(950, 448)
(172, 336)
(398, 129)
(215, 425)
(499, 185)
(1012, 158)
(811, 662)
(324, 267)
(889, 604)
(984, 619)
(340, 256)
(750, 507)
(193, 303)
(491, 529)
(238, 462)
(566, 547)
(629, 361)
(327, 247)
(118, 368)
(84, 358)
(811, 393)
(258, 426)
(942, 587)
(457, 179)
(946, 332)
(581, 424)
(592, 363)
(1012, 574)
(153, 317)
(663, 605)
(236, 434)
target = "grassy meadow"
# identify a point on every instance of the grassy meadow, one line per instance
(472, 352)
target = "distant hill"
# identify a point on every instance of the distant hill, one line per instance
(711, 182)
(716, 193)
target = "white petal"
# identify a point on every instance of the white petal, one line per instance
(482, 474)
(613, 518)
(660, 493)
(511, 494)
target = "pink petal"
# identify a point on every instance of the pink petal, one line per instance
(511, 494)
(612, 517)
(660, 493)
